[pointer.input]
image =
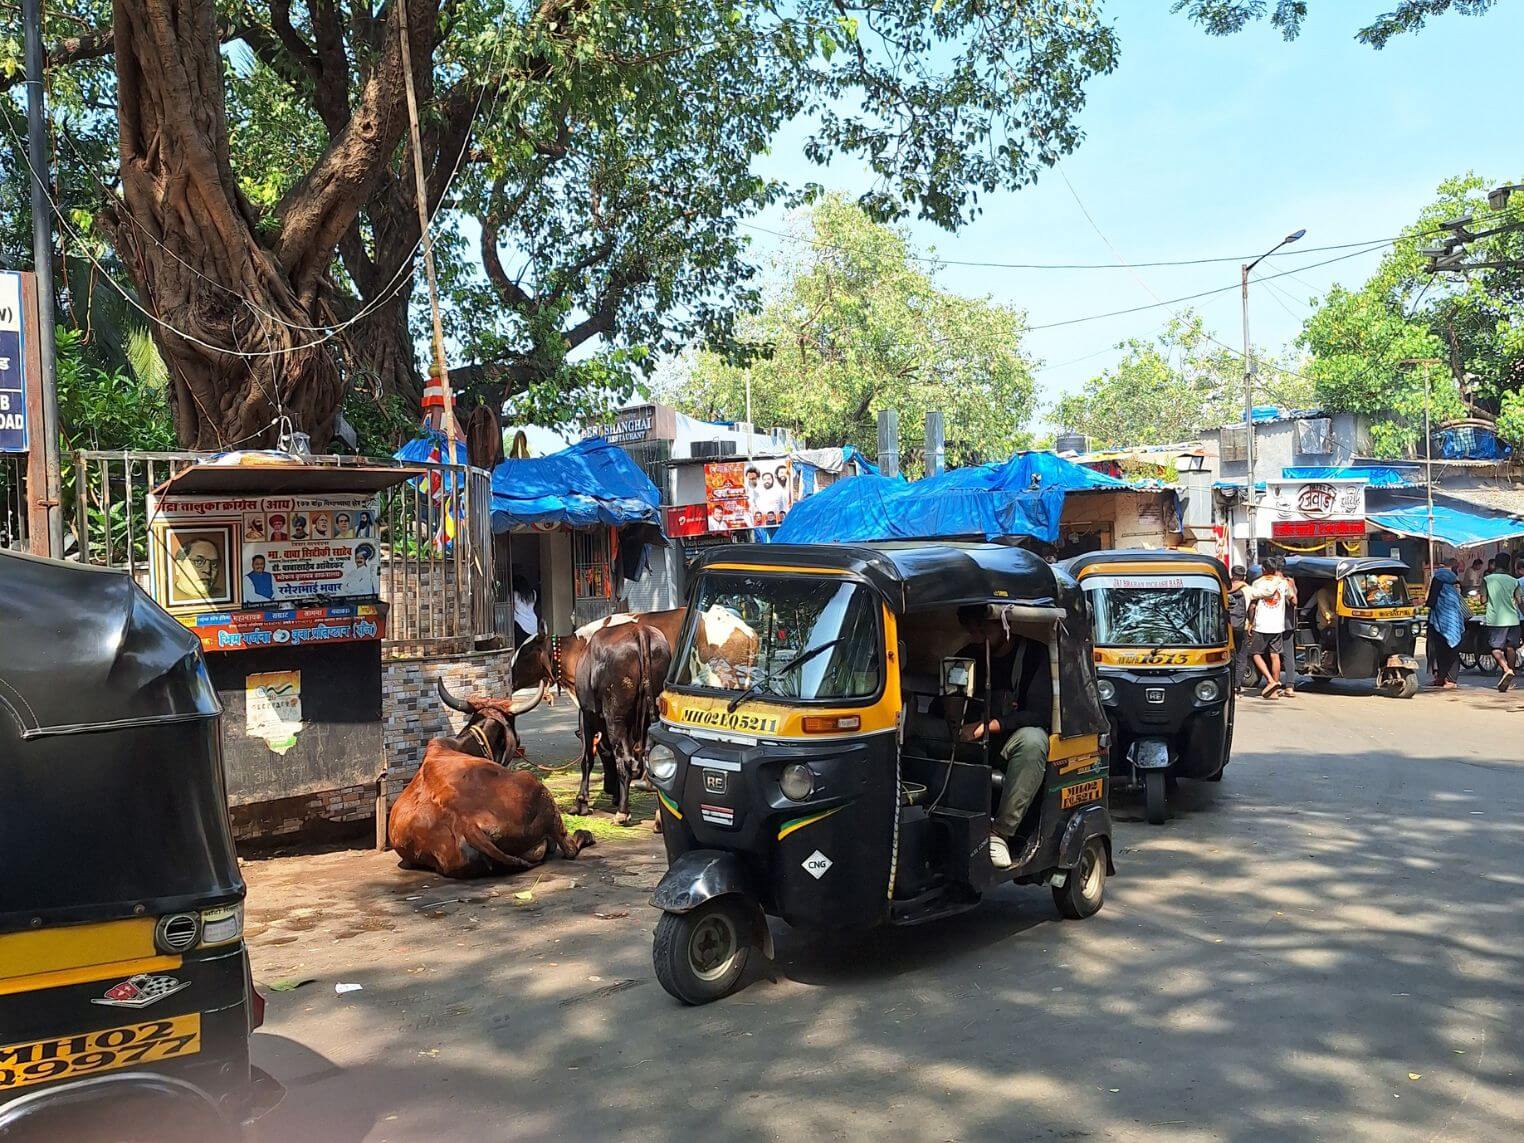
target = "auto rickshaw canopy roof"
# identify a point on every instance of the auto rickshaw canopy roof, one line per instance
(1163, 557)
(1332, 567)
(921, 575)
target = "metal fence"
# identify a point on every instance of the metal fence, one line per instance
(435, 539)
(13, 520)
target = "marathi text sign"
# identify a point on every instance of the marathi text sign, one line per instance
(257, 630)
(1312, 509)
(13, 427)
(235, 552)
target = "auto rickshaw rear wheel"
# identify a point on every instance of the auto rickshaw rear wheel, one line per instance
(1084, 890)
(1155, 797)
(700, 956)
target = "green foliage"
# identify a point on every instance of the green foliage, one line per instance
(1167, 389)
(382, 422)
(111, 409)
(1364, 341)
(1223, 17)
(858, 325)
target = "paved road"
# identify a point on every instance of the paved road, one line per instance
(1326, 945)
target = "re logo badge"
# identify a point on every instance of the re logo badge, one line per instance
(816, 865)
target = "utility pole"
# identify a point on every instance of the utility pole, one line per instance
(440, 370)
(1428, 444)
(42, 259)
(1250, 494)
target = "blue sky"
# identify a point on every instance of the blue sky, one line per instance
(1198, 146)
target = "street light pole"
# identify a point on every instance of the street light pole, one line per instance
(1250, 495)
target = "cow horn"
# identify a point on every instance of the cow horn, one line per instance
(452, 702)
(515, 709)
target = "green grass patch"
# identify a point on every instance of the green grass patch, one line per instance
(600, 823)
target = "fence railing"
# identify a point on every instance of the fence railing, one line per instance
(435, 540)
(13, 503)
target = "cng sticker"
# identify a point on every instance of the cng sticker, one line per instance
(816, 865)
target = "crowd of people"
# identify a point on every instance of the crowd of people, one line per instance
(1262, 610)
(1489, 591)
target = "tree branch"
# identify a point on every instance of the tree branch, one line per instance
(92, 45)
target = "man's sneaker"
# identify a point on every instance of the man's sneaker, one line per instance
(1000, 852)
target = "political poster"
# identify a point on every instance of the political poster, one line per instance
(13, 426)
(234, 552)
(748, 493)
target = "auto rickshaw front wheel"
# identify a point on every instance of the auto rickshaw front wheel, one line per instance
(701, 955)
(1155, 797)
(1084, 889)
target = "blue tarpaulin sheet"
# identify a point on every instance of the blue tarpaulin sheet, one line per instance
(1375, 475)
(421, 449)
(592, 482)
(1022, 497)
(1455, 523)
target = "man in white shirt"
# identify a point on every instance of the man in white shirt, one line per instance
(1268, 600)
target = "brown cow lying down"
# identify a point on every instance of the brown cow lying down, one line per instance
(464, 815)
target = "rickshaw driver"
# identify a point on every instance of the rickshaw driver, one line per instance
(1021, 706)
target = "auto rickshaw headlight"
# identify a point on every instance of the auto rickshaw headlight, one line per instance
(1106, 689)
(1207, 691)
(797, 783)
(221, 926)
(1417, 628)
(662, 763)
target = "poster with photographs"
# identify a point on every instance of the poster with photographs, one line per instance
(264, 551)
(748, 493)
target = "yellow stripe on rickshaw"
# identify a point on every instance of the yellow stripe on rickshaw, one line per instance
(670, 804)
(793, 825)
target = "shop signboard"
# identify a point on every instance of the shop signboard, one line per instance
(747, 493)
(13, 426)
(304, 626)
(1312, 509)
(687, 520)
(226, 553)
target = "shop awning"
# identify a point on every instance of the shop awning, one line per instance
(1455, 523)
(590, 483)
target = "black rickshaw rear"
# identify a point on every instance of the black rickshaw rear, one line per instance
(850, 805)
(121, 909)
(1164, 665)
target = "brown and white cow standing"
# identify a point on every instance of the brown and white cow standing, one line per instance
(464, 815)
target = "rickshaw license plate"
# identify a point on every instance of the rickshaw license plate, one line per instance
(1080, 793)
(67, 1057)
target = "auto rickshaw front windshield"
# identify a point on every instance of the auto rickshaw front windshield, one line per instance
(812, 638)
(1157, 610)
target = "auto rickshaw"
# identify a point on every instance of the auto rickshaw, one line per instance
(1165, 665)
(822, 779)
(1371, 630)
(126, 1003)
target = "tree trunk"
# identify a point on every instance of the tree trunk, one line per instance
(238, 300)
(229, 320)
(379, 352)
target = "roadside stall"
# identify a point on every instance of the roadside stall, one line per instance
(274, 565)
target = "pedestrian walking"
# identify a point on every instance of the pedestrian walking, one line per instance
(1447, 624)
(1238, 622)
(1288, 649)
(1268, 597)
(1502, 591)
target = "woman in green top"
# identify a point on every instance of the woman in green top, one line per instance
(1502, 593)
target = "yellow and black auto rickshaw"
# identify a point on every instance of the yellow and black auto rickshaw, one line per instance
(1356, 621)
(125, 998)
(1165, 668)
(826, 778)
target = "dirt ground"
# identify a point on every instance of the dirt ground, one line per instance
(1327, 945)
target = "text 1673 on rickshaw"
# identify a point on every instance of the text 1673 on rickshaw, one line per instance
(1164, 665)
(1356, 621)
(125, 997)
(913, 725)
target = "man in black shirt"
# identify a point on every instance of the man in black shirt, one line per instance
(1018, 721)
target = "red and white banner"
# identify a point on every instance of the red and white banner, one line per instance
(1312, 509)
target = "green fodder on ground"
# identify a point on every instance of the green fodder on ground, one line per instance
(600, 823)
